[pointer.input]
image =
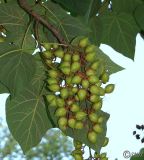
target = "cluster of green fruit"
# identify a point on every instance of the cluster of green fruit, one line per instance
(102, 156)
(75, 86)
(78, 152)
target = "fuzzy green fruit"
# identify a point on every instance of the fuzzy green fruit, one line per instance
(62, 121)
(76, 57)
(51, 100)
(64, 93)
(77, 144)
(54, 87)
(97, 128)
(101, 91)
(90, 48)
(75, 107)
(103, 155)
(80, 115)
(52, 81)
(95, 65)
(90, 72)
(93, 79)
(47, 54)
(71, 123)
(76, 79)
(74, 90)
(75, 66)
(97, 106)
(106, 141)
(55, 46)
(79, 125)
(92, 137)
(109, 88)
(67, 57)
(82, 94)
(68, 80)
(85, 83)
(93, 117)
(47, 46)
(83, 42)
(94, 98)
(60, 112)
(105, 77)
(90, 57)
(66, 70)
(100, 120)
(53, 73)
(59, 53)
(78, 157)
(94, 89)
(77, 151)
(65, 64)
(60, 102)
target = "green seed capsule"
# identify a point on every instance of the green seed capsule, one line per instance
(50, 97)
(47, 54)
(67, 57)
(47, 46)
(76, 57)
(80, 115)
(101, 91)
(90, 57)
(97, 106)
(60, 102)
(97, 128)
(75, 107)
(105, 77)
(85, 83)
(53, 73)
(75, 66)
(64, 93)
(95, 65)
(103, 155)
(74, 90)
(94, 89)
(76, 79)
(77, 151)
(78, 157)
(82, 94)
(69, 102)
(59, 53)
(100, 120)
(93, 79)
(94, 98)
(52, 81)
(90, 72)
(54, 87)
(93, 117)
(71, 123)
(90, 48)
(83, 42)
(79, 125)
(55, 46)
(92, 137)
(66, 70)
(68, 80)
(62, 121)
(109, 88)
(77, 144)
(60, 112)
(65, 64)
(106, 141)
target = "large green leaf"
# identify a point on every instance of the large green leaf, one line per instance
(3, 88)
(119, 31)
(68, 25)
(139, 16)
(16, 68)
(17, 25)
(27, 119)
(76, 7)
(125, 5)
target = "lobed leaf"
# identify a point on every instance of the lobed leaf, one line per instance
(119, 31)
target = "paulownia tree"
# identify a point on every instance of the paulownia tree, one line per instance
(54, 71)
